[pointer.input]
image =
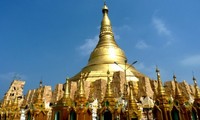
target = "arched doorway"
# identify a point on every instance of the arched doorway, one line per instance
(107, 115)
(194, 114)
(29, 115)
(57, 115)
(72, 115)
(175, 114)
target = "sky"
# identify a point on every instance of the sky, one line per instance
(50, 40)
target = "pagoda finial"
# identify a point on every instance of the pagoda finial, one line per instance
(194, 79)
(161, 90)
(81, 87)
(66, 100)
(106, 28)
(178, 94)
(105, 7)
(174, 77)
(40, 83)
(158, 73)
(104, 2)
(131, 97)
(132, 102)
(66, 93)
(197, 93)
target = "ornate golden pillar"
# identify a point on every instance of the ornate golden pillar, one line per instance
(162, 100)
(109, 103)
(83, 112)
(62, 109)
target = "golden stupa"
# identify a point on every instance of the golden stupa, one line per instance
(107, 55)
(100, 92)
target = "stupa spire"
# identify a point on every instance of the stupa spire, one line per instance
(197, 93)
(161, 90)
(66, 100)
(132, 107)
(131, 96)
(81, 91)
(177, 90)
(40, 84)
(106, 51)
(178, 95)
(66, 93)
(105, 54)
(106, 27)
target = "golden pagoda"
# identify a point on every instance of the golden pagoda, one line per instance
(105, 54)
(107, 88)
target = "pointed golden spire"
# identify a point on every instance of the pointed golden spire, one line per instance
(161, 90)
(109, 92)
(131, 97)
(197, 93)
(81, 91)
(66, 100)
(66, 93)
(132, 102)
(107, 51)
(178, 95)
(105, 23)
(177, 90)
(40, 83)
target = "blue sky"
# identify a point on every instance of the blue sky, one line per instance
(50, 40)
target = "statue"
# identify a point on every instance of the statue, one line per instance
(22, 117)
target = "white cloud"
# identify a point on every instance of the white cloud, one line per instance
(89, 45)
(191, 61)
(163, 30)
(141, 45)
(117, 37)
(161, 26)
